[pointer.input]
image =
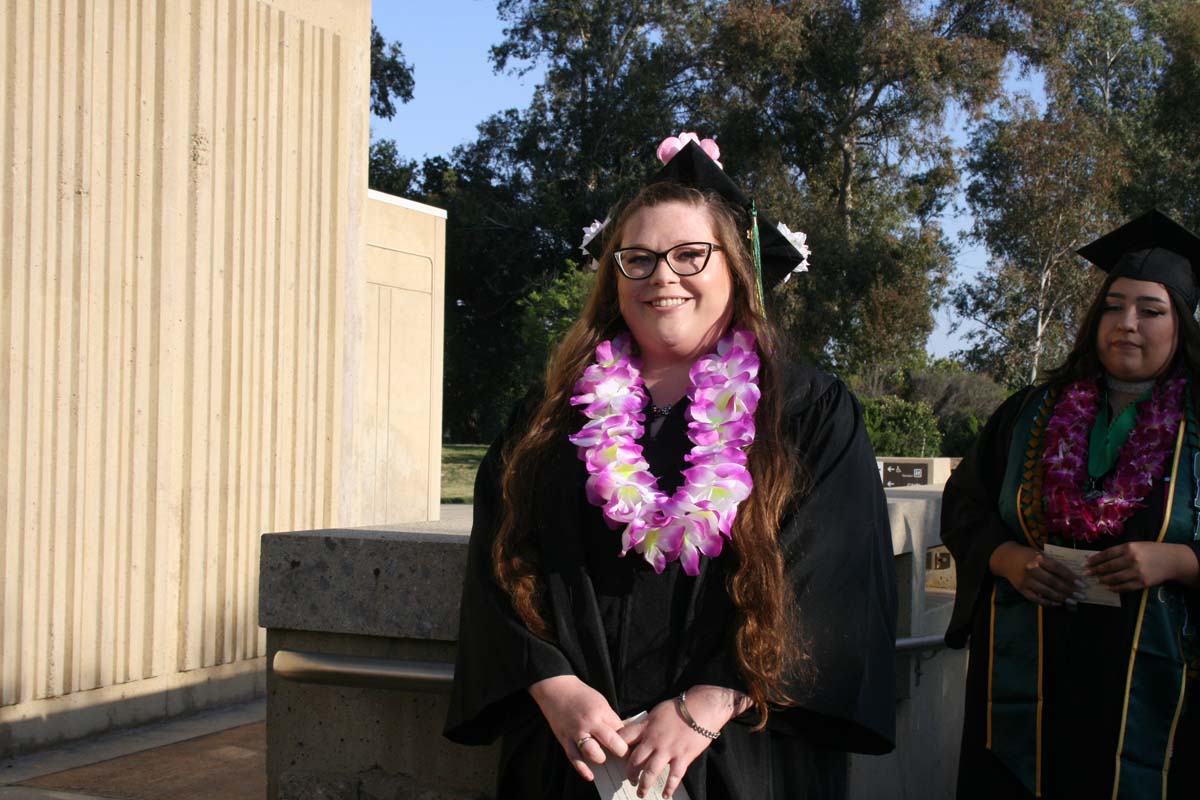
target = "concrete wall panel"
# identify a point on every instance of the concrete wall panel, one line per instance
(181, 189)
(404, 268)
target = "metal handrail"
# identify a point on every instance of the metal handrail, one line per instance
(425, 676)
(915, 643)
(369, 671)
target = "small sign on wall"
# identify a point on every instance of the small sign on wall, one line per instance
(894, 473)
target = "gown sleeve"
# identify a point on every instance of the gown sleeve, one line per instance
(498, 657)
(971, 525)
(838, 556)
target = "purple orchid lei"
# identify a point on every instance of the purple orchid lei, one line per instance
(690, 523)
(1140, 464)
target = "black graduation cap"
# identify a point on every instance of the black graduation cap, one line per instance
(1152, 247)
(691, 166)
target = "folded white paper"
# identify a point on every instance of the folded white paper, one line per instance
(1096, 592)
(611, 783)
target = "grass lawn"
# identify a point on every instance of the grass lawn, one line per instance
(459, 464)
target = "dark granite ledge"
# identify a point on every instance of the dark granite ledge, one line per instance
(392, 581)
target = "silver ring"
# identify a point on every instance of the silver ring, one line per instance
(588, 738)
(641, 772)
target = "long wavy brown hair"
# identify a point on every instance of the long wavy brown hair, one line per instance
(766, 639)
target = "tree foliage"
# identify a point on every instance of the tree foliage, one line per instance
(391, 76)
(391, 80)
(388, 171)
(900, 428)
(831, 114)
(1041, 187)
(1115, 138)
(546, 313)
(519, 195)
(828, 113)
(838, 107)
(961, 401)
(1166, 151)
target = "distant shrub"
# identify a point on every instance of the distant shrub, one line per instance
(960, 429)
(962, 402)
(900, 428)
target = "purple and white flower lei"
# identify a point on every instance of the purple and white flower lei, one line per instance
(724, 395)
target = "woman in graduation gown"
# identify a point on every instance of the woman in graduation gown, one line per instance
(1068, 698)
(679, 523)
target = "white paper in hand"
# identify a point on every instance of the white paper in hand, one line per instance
(612, 785)
(1096, 592)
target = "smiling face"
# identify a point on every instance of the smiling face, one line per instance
(675, 318)
(1138, 331)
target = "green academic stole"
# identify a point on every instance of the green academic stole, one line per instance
(1157, 674)
(1154, 686)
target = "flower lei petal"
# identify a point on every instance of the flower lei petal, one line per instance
(1140, 464)
(724, 395)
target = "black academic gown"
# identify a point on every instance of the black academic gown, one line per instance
(1086, 650)
(639, 637)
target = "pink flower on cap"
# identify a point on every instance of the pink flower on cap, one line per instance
(673, 144)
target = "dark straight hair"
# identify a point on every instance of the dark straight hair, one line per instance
(1084, 359)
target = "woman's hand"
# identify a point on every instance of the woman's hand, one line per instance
(664, 741)
(1039, 578)
(1140, 565)
(577, 714)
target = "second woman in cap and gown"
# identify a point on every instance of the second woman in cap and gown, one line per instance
(1067, 698)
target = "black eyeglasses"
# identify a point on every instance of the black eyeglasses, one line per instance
(689, 258)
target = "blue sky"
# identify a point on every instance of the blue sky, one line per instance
(447, 43)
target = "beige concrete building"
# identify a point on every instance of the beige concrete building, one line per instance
(207, 331)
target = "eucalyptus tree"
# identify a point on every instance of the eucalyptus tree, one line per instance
(829, 112)
(616, 79)
(1166, 154)
(1041, 187)
(841, 107)
(1115, 137)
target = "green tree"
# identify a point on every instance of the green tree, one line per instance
(829, 114)
(1117, 137)
(391, 76)
(388, 171)
(520, 194)
(899, 428)
(961, 401)
(546, 313)
(1041, 187)
(839, 108)
(1166, 154)
(391, 80)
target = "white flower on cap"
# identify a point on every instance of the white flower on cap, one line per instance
(799, 241)
(589, 233)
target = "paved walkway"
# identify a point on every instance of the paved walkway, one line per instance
(217, 754)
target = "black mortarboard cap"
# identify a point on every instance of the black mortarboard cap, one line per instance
(691, 166)
(1152, 247)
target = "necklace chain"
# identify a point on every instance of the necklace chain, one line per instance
(660, 411)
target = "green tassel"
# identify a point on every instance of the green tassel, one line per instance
(755, 246)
